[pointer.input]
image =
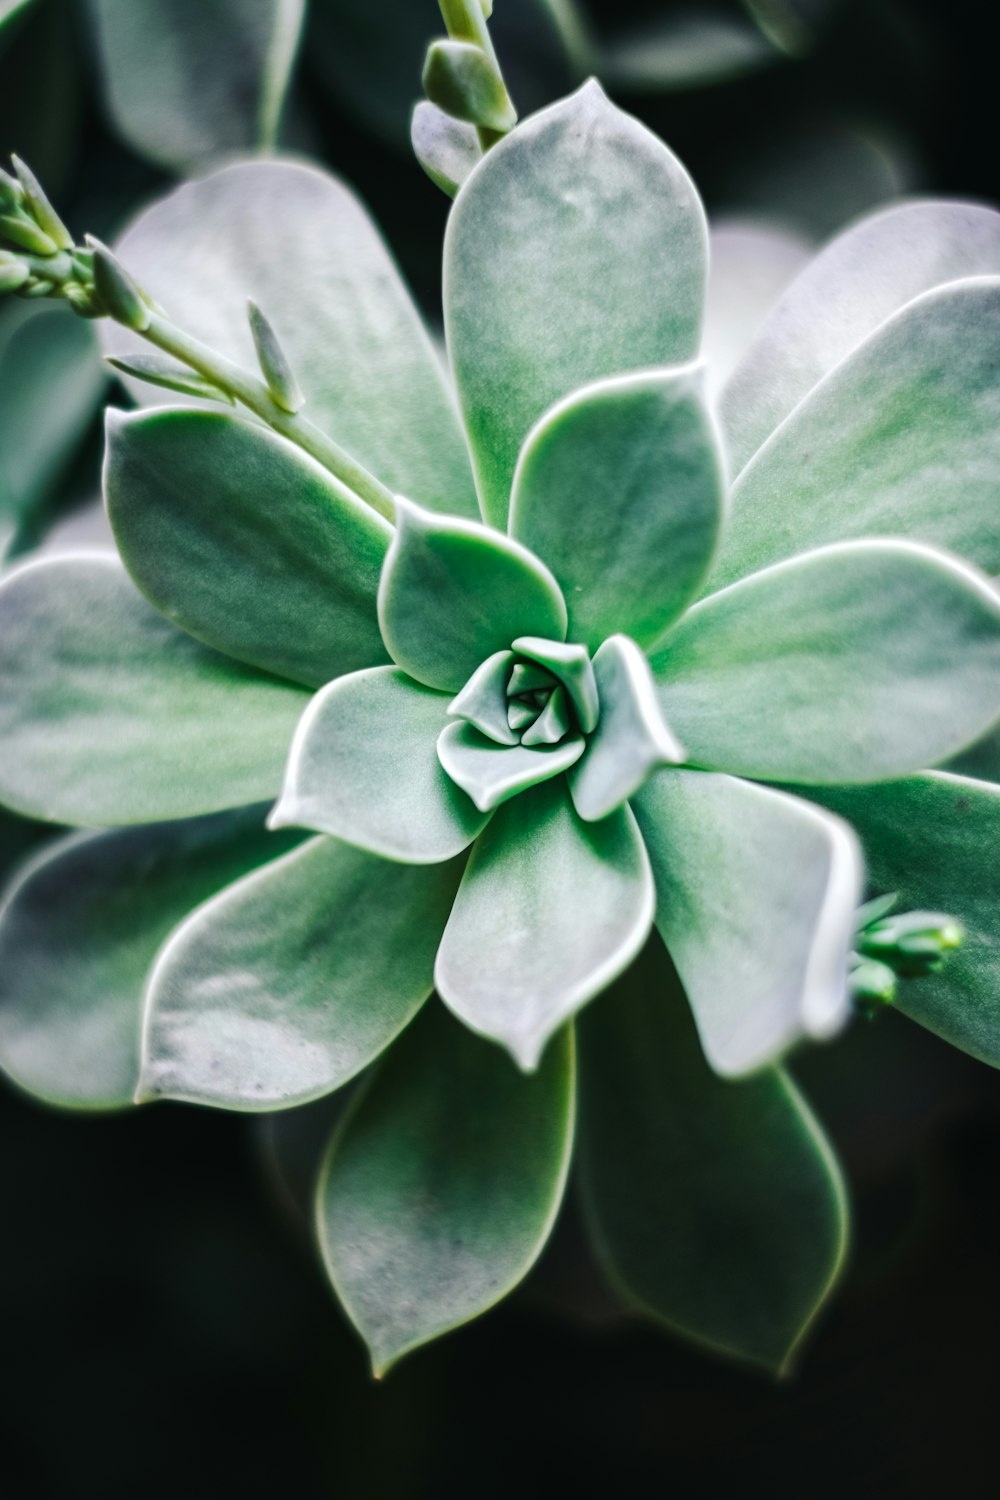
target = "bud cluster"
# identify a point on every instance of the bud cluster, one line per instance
(462, 75)
(890, 946)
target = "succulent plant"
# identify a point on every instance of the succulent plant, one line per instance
(574, 733)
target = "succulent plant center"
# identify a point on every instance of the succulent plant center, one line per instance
(536, 694)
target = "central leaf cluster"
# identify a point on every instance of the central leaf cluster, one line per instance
(538, 693)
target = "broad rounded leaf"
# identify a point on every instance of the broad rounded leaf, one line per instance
(902, 439)
(52, 379)
(290, 982)
(78, 934)
(453, 593)
(364, 767)
(856, 662)
(756, 895)
(550, 909)
(108, 714)
(490, 773)
(246, 542)
(620, 490)
(717, 1208)
(186, 81)
(442, 1184)
(615, 223)
(934, 839)
(302, 246)
(630, 741)
(447, 149)
(750, 264)
(864, 276)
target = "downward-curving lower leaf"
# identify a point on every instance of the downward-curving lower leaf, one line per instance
(246, 542)
(756, 895)
(78, 934)
(185, 81)
(453, 593)
(615, 223)
(864, 276)
(301, 245)
(934, 839)
(550, 909)
(291, 981)
(856, 662)
(903, 439)
(620, 490)
(442, 1184)
(364, 767)
(716, 1207)
(110, 715)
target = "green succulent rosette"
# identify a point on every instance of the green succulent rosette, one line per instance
(585, 738)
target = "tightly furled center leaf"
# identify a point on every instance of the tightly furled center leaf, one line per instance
(538, 693)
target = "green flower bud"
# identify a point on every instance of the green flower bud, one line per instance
(873, 985)
(461, 80)
(26, 235)
(274, 366)
(913, 943)
(116, 289)
(38, 205)
(11, 192)
(13, 275)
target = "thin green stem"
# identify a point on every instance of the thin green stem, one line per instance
(466, 22)
(253, 394)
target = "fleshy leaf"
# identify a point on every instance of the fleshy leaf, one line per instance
(185, 81)
(615, 223)
(853, 663)
(447, 149)
(490, 773)
(864, 276)
(290, 982)
(620, 488)
(549, 911)
(300, 244)
(756, 895)
(364, 767)
(483, 700)
(631, 740)
(108, 714)
(570, 663)
(78, 934)
(246, 542)
(903, 439)
(717, 1208)
(934, 840)
(52, 380)
(442, 1184)
(750, 264)
(453, 593)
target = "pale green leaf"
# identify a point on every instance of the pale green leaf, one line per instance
(79, 932)
(302, 246)
(631, 740)
(856, 662)
(290, 982)
(364, 767)
(549, 911)
(934, 839)
(750, 264)
(186, 81)
(453, 593)
(52, 379)
(717, 1208)
(864, 276)
(442, 1184)
(902, 439)
(756, 894)
(447, 149)
(483, 700)
(108, 714)
(527, 314)
(490, 773)
(246, 542)
(620, 490)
